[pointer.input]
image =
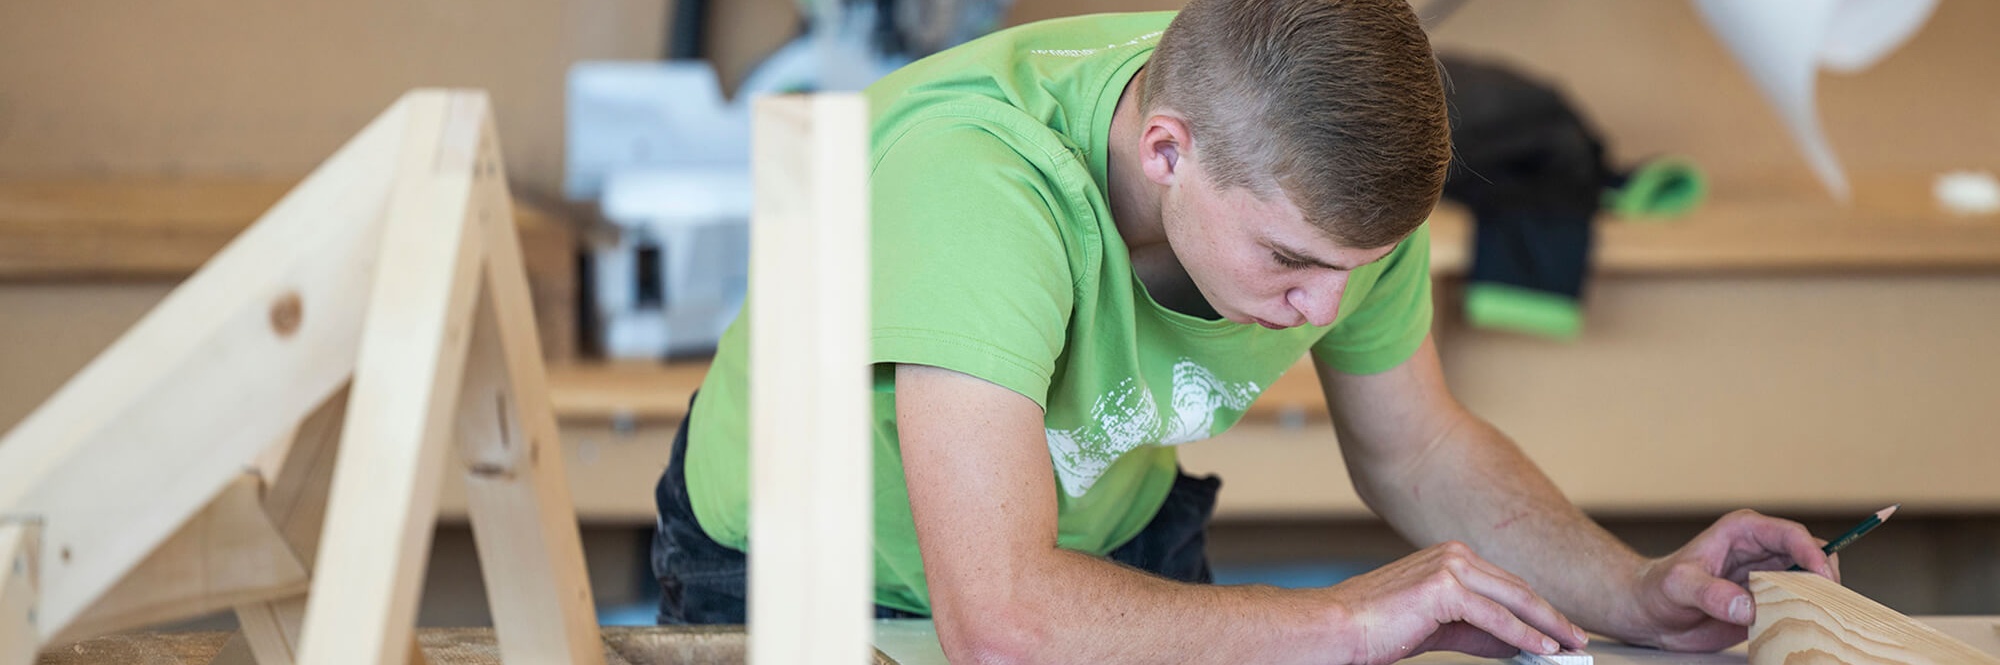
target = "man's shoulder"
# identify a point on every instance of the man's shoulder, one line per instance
(1029, 72)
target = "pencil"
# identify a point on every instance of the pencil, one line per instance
(1855, 533)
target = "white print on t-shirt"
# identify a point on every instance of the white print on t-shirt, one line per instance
(1128, 417)
(1081, 52)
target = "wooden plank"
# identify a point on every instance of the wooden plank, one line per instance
(296, 501)
(19, 563)
(383, 504)
(811, 571)
(271, 631)
(1804, 617)
(227, 555)
(530, 551)
(152, 429)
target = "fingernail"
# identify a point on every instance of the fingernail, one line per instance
(1739, 610)
(1582, 639)
(1549, 645)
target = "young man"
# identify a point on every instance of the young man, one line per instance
(1098, 237)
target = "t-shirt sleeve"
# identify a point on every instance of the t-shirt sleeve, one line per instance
(1390, 322)
(970, 268)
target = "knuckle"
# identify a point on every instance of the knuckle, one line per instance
(1442, 578)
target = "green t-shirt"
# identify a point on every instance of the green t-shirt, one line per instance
(995, 255)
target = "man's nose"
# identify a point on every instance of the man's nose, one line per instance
(1317, 305)
(1317, 302)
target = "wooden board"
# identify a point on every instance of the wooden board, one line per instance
(221, 368)
(383, 503)
(1803, 617)
(229, 554)
(530, 551)
(901, 642)
(811, 472)
(18, 547)
(296, 502)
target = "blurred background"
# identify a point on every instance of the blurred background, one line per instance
(1723, 327)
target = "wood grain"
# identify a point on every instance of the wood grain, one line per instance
(1805, 618)
(228, 554)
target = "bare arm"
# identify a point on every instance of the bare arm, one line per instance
(1437, 472)
(983, 495)
(982, 490)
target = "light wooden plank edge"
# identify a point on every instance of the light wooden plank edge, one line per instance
(1805, 616)
(19, 545)
(383, 504)
(811, 572)
(523, 520)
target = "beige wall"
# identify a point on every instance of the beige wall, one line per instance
(1655, 79)
(204, 88)
(236, 87)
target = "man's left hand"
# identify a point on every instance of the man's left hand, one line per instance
(1695, 598)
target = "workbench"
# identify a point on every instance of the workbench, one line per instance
(903, 642)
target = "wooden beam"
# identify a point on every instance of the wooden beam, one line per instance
(383, 504)
(1803, 617)
(19, 547)
(812, 566)
(229, 554)
(154, 428)
(296, 501)
(530, 551)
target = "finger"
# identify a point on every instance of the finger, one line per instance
(1717, 597)
(1520, 600)
(1494, 619)
(1465, 638)
(1770, 535)
(1687, 585)
(1833, 564)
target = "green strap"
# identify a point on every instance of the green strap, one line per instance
(1508, 307)
(1663, 188)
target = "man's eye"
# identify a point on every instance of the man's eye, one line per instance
(1289, 262)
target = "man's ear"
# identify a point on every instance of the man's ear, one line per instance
(1163, 144)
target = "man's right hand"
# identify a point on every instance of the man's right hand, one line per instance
(1447, 598)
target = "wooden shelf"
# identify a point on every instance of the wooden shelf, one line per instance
(626, 391)
(1892, 225)
(155, 229)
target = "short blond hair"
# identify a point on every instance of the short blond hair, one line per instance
(1336, 104)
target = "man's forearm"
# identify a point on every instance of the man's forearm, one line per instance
(1475, 485)
(1071, 607)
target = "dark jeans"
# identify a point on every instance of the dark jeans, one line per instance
(704, 582)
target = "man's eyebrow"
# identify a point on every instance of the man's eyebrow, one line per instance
(1304, 257)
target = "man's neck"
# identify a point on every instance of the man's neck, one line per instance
(1135, 209)
(1134, 199)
